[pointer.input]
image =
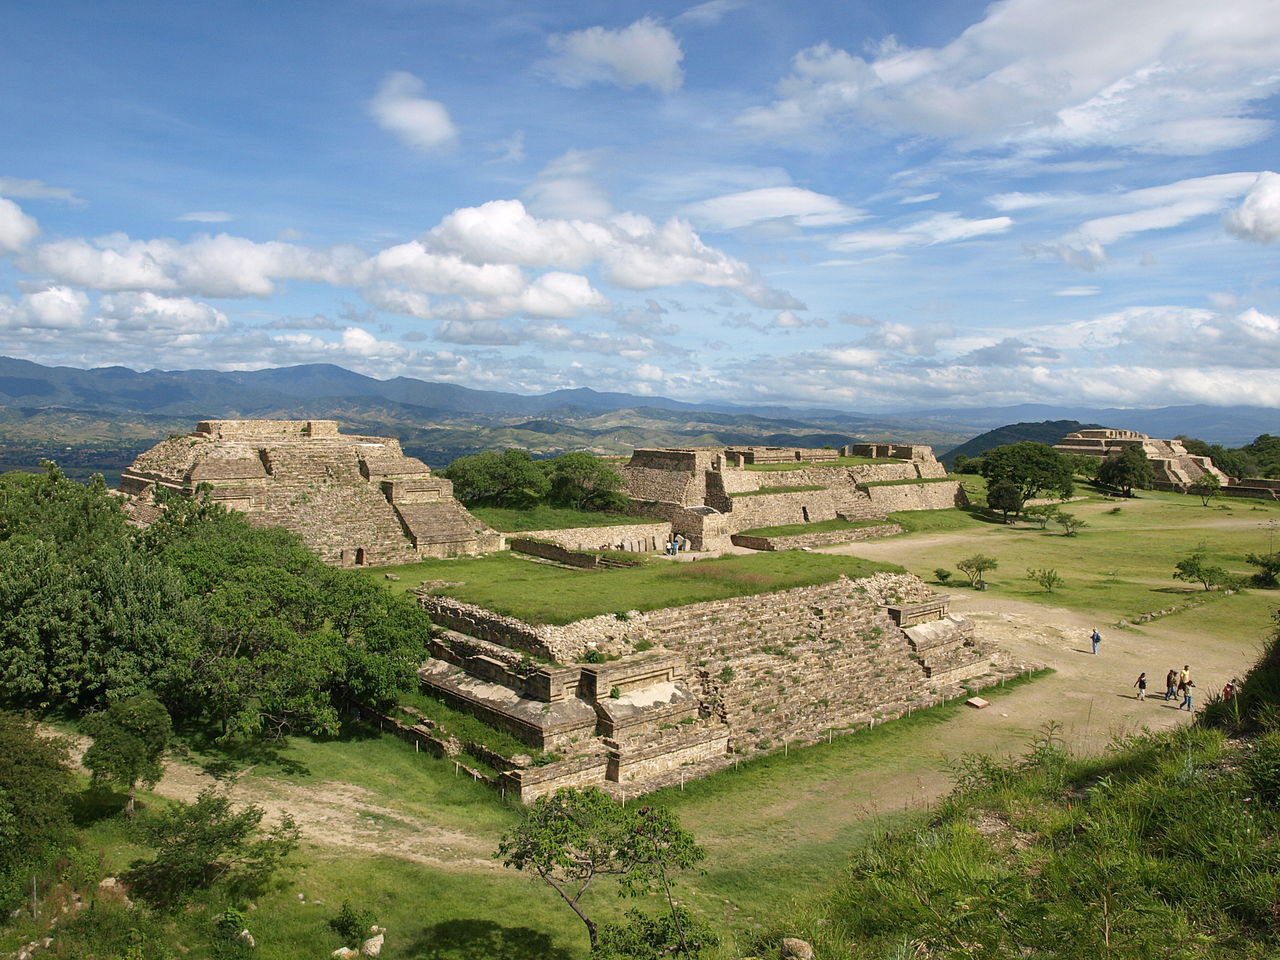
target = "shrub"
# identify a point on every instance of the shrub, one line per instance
(352, 925)
(941, 574)
(1048, 579)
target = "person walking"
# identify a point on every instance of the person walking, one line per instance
(1186, 696)
(1095, 639)
(1171, 685)
(1184, 677)
(1141, 684)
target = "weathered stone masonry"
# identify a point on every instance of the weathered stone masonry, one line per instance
(354, 500)
(718, 679)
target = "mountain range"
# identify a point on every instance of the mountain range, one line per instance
(108, 414)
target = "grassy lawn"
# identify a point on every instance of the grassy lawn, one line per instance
(543, 517)
(822, 526)
(837, 462)
(541, 593)
(1121, 565)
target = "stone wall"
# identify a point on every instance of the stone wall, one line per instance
(628, 538)
(802, 541)
(918, 496)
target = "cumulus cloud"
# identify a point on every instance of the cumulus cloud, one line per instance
(146, 311)
(567, 187)
(53, 308)
(16, 228)
(645, 53)
(423, 124)
(938, 228)
(1160, 76)
(794, 205)
(1258, 217)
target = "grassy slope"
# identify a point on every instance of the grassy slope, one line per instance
(541, 593)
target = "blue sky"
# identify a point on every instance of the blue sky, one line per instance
(864, 205)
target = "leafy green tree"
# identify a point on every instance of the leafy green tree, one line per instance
(1268, 565)
(974, 567)
(1048, 579)
(578, 836)
(509, 478)
(1033, 467)
(1206, 487)
(1042, 513)
(130, 738)
(206, 844)
(1127, 470)
(1069, 522)
(1195, 568)
(36, 788)
(585, 482)
(1005, 497)
(1265, 451)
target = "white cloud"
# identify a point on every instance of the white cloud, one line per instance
(920, 198)
(1258, 217)
(206, 216)
(938, 228)
(643, 54)
(1077, 292)
(16, 228)
(53, 308)
(707, 14)
(1008, 202)
(145, 311)
(36, 190)
(423, 124)
(803, 208)
(1161, 76)
(567, 187)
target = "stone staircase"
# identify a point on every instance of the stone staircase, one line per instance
(440, 522)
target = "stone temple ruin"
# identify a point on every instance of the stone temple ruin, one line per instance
(1175, 468)
(354, 500)
(711, 494)
(679, 692)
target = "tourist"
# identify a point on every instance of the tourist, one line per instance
(1171, 684)
(1185, 676)
(1095, 639)
(1141, 684)
(1186, 696)
(1228, 691)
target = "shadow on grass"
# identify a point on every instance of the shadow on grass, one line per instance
(95, 804)
(469, 939)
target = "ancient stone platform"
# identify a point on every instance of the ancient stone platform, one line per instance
(354, 500)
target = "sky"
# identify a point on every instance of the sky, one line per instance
(865, 205)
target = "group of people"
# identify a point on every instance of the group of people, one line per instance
(1178, 683)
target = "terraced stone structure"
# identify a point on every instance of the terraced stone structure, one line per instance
(695, 686)
(354, 500)
(710, 494)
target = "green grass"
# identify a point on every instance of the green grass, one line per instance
(908, 482)
(542, 593)
(543, 517)
(821, 526)
(819, 464)
(763, 491)
(462, 725)
(1119, 566)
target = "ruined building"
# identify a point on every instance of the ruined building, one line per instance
(633, 702)
(354, 500)
(711, 494)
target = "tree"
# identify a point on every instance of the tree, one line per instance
(1206, 487)
(36, 787)
(1069, 522)
(1049, 580)
(1196, 568)
(509, 478)
(974, 567)
(1033, 467)
(1042, 513)
(1127, 470)
(584, 482)
(1268, 565)
(577, 836)
(205, 844)
(130, 738)
(1005, 497)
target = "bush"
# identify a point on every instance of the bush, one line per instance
(352, 925)
(941, 574)
(1262, 767)
(1048, 579)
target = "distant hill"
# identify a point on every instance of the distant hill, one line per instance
(1046, 431)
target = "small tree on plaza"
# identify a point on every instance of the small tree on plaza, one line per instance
(974, 567)
(1005, 497)
(130, 738)
(1206, 487)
